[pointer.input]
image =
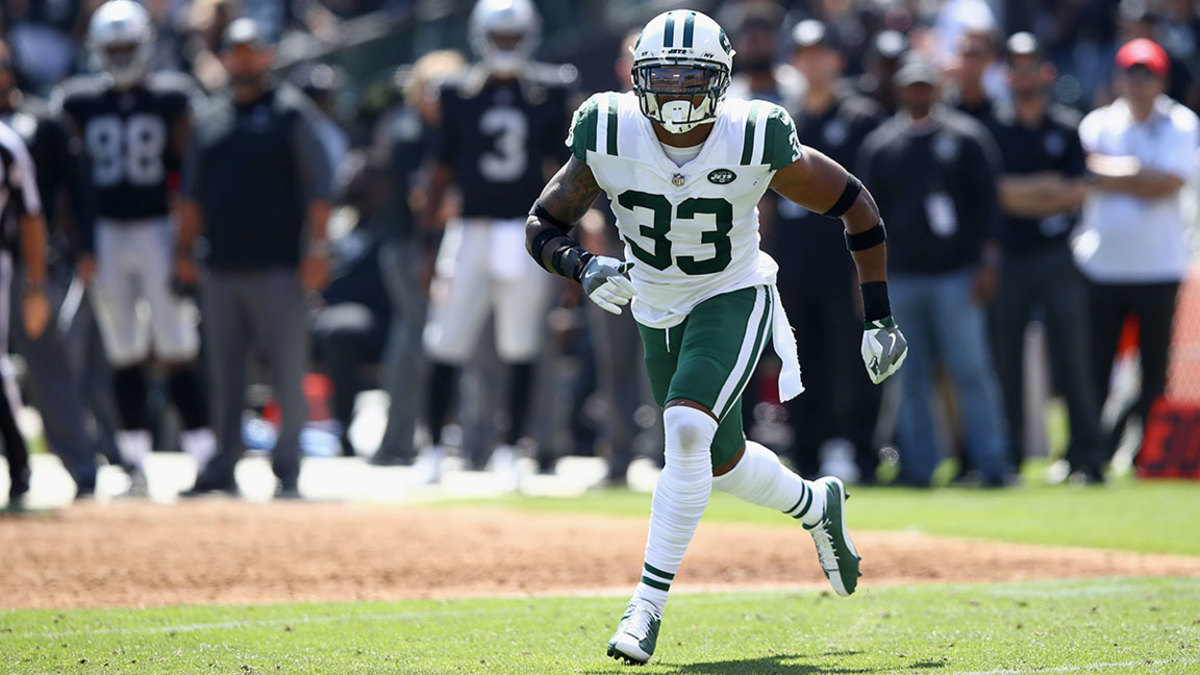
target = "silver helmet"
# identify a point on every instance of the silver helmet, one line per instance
(679, 56)
(504, 33)
(120, 40)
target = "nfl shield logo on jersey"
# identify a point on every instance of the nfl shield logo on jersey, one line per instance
(678, 179)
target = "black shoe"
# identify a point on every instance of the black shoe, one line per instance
(1087, 476)
(288, 491)
(18, 487)
(384, 458)
(204, 488)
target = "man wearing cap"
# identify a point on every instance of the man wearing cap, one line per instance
(1141, 149)
(1041, 189)
(936, 171)
(835, 423)
(257, 186)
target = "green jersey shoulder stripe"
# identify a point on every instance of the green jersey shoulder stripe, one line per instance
(582, 136)
(748, 140)
(594, 126)
(610, 145)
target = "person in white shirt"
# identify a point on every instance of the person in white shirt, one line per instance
(1141, 149)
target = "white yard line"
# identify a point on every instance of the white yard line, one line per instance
(1141, 665)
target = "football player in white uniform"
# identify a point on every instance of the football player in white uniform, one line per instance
(685, 170)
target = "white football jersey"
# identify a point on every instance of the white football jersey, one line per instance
(691, 231)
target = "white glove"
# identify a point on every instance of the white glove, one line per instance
(605, 285)
(883, 348)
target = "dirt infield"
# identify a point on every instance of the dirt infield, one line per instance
(138, 554)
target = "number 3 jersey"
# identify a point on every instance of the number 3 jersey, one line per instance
(497, 134)
(692, 230)
(126, 139)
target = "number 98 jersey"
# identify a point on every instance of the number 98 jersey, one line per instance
(496, 136)
(691, 231)
(126, 137)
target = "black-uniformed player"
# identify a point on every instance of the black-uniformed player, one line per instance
(133, 125)
(839, 415)
(501, 124)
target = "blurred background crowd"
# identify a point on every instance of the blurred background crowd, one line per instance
(961, 116)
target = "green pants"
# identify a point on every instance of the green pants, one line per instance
(709, 358)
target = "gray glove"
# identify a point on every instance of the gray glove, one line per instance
(604, 283)
(883, 348)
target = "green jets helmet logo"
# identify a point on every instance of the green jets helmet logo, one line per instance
(725, 44)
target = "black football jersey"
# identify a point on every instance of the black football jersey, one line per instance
(126, 140)
(495, 137)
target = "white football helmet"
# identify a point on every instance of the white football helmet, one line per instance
(121, 41)
(681, 52)
(504, 33)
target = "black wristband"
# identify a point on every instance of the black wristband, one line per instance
(876, 304)
(541, 240)
(869, 238)
(846, 200)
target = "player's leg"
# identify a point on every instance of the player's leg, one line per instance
(125, 336)
(458, 305)
(522, 298)
(174, 327)
(715, 351)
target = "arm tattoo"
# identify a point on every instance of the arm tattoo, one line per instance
(570, 192)
(566, 198)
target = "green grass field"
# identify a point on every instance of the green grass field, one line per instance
(1129, 625)
(1109, 626)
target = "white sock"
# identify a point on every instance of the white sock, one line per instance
(134, 446)
(680, 497)
(760, 479)
(199, 444)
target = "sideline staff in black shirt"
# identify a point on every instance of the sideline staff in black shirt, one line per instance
(1041, 189)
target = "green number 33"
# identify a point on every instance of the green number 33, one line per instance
(660, 257)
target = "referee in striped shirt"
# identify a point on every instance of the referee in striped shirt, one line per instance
(19, 202)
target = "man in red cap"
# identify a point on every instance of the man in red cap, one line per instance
(1141, 149)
